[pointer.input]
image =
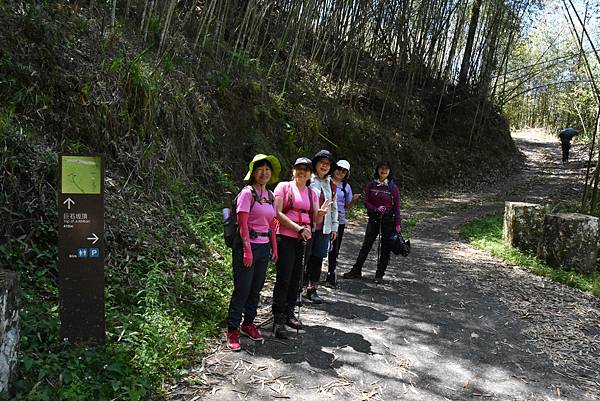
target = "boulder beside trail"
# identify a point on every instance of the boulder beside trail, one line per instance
(570, 241)
(523, 225)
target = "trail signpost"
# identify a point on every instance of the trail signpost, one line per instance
(81, 248)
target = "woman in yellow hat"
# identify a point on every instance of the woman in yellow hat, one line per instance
(256, 242)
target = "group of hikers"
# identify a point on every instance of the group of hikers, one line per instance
(299, 224)
(296, 226)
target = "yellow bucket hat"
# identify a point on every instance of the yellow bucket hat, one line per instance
(274, 164)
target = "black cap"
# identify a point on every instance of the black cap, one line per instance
(303, 161)
(322, 154)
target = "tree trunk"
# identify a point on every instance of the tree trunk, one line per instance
(466, 61)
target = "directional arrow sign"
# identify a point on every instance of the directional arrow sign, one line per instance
(70, 202)
(94, 238)
(81, 248)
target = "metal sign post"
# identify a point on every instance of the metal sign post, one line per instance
(81, 248)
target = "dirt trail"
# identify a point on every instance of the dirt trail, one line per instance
(449, 323)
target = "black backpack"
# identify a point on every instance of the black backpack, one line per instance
(231, 230)
(398, 245)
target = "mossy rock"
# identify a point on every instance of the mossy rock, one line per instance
(570, 241)
(523, 225)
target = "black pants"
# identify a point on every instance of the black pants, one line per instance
(247, 283)
(289, 272)
(373, 226)
(565, 150)
(335, 250)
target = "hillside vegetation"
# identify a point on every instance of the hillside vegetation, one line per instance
(178, 124)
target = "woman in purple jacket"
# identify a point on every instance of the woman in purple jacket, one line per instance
(382, 199)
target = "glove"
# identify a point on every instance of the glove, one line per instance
(247, 256)
(398, 228)
(381, 209)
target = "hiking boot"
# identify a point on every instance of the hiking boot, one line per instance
(353, 274)
(312, 295)
(294, 323)
(252, 331)
(378, 279)
(279, 331)
(331, 280)
(233, 340)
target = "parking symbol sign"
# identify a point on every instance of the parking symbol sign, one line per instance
(82, 252)
(94, 252)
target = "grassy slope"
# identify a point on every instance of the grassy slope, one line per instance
(176, 131)
(486, 234)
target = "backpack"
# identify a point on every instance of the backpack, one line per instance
(333, 187)
(291, 206)
(231, 229)
(390, 186)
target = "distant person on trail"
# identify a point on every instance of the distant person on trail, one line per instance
(566, 135)
(345, 201)
(382, 200)
(297, 209)
(321, 183)
(252, 248)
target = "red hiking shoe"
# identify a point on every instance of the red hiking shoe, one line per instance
(252, 331)
(233, 340)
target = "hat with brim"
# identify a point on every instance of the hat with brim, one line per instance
(274, 164)
(303, 161)
(343, 164)
(320, 155)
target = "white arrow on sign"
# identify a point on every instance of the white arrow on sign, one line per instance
(70, 202)
(94, 238)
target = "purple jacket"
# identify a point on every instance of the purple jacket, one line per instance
(378, 194)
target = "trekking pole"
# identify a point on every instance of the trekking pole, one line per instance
(379, 242)
(304, 243)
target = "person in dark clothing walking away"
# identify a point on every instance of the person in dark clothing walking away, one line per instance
(297, 209)
(345, 200)
(252, 248)
(382, 200)
(566, 135)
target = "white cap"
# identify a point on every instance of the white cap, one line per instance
(343, 164)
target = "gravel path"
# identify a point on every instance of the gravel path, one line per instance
(449, 322)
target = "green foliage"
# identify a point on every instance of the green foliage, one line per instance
(168, 277)
(486, 234)
(153, 330)
(408, 225)
(547, 78)
(159, 310)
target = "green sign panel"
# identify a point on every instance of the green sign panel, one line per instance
(81, 175)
